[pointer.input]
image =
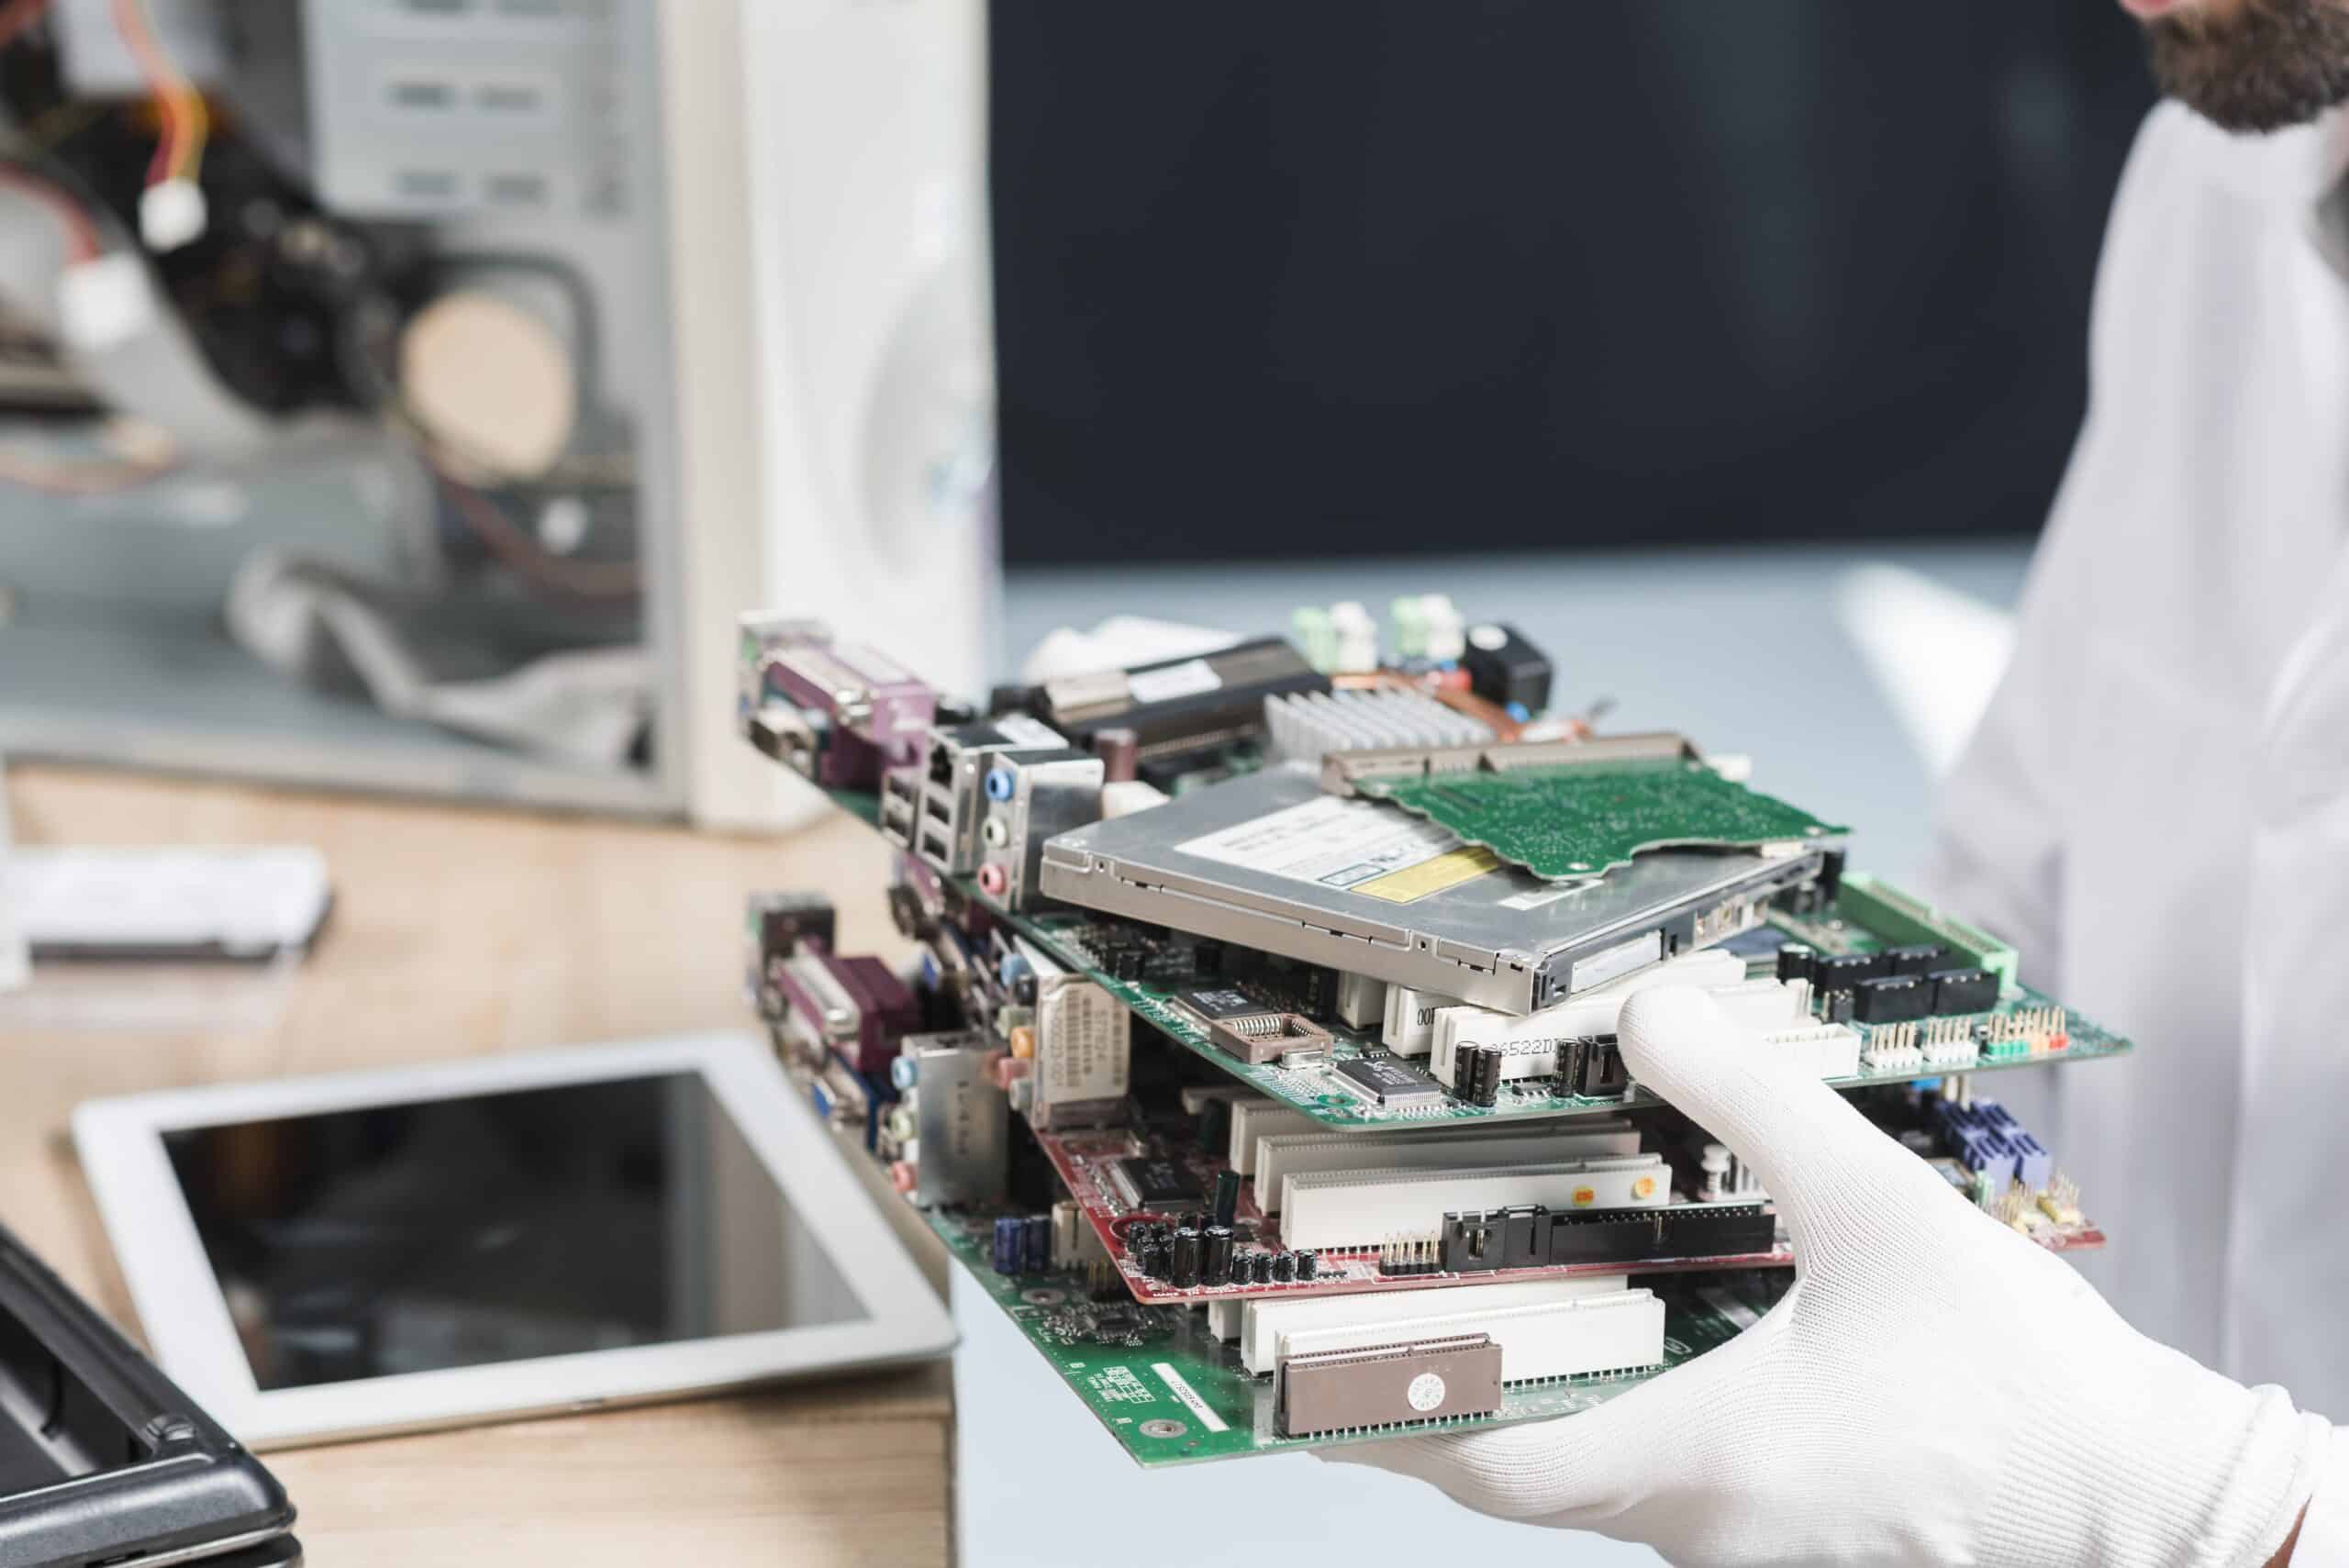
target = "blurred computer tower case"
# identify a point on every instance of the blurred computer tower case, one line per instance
(426, 427)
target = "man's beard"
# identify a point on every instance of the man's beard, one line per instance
(2272, 64)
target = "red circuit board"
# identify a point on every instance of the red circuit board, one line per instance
(1085, 1159)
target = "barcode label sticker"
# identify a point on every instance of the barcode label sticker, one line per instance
(1189, 1397)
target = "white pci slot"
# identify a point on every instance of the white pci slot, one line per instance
(1225, 1317)
(1557, 1338)
(1761, 1004)
(1280, 1157)
(1267, 1320)
(1254, 1120)
(1594, 1012)
(1343, 1210)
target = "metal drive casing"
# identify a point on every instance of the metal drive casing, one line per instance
(1271, 861)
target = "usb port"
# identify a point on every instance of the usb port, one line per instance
(933, 846)
(937, 807)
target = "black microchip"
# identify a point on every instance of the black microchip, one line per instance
(1153, 1181)
(1384, 1080)
(1964, 990)
(1919, 958)
(1895, 999)
(1223, 1004)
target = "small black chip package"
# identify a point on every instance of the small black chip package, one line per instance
(1384, 1082)
(1153, 1181)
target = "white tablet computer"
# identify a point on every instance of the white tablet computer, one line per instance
(504, 1235)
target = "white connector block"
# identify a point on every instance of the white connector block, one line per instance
(1558, 1339)
(172, 214)
(1362, 1000)
(1532, 1041)
(1410, 1019)
(1256, 1120)
(1278, 1158)
(1825, 1051)
(1266, 1319)
(1338, 1211)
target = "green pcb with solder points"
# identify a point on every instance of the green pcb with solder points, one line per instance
(1578, 821)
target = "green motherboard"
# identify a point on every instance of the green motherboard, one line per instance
(1581, 821)
(1171, 1393)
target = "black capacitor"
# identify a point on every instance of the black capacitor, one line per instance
(1244, 1267)
(1830, 873)
(1798, 961)
(1148, 1256)
(1182, 1258)
(1485, 1082)
(1195, 1219)
(1283, 1267)
(1215, 1254)
(1119, 749)
(1023, 989)
(1260, 1268)
(1309, 1264)
(1227, 1198)
(1037, 1251)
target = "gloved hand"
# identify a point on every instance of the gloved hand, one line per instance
(1934, 1388)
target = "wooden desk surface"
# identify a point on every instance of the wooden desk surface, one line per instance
(458, 931)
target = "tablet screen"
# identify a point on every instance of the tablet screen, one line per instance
(531, 1222)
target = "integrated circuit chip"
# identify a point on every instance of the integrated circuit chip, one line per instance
(1386, 1082)
(1223, 1004)
(1154, 1181)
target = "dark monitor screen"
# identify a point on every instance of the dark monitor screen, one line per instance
(501, 1227)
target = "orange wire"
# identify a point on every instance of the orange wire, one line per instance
(175, 99)
(81, 235)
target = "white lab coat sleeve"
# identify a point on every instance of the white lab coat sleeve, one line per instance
(1999, 852)
(2324, 1529)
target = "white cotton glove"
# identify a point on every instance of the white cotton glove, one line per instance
(1934, 1388)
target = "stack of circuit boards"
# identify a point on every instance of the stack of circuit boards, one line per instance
(1258, 1049)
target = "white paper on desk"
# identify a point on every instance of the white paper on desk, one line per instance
(15, 965)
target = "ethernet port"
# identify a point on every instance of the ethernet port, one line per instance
(942, 763)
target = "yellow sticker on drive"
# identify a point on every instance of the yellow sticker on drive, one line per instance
(1449, 870)
(1586, 1196)
(1644, 1188)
